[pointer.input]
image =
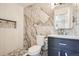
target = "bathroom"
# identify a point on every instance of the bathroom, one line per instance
(44, 24)
(33, 23)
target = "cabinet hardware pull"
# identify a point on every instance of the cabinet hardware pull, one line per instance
(62, 44)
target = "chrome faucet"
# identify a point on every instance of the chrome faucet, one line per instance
(61, 32)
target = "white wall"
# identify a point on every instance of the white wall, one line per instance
(11, 39)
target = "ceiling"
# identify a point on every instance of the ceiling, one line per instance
(25, 4)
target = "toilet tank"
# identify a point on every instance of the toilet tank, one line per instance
(40, 40)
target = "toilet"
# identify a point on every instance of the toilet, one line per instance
(36, 49)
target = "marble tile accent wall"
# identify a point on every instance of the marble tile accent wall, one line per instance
(29, 34)
(32, 18)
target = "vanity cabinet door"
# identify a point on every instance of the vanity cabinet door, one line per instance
(52, 52)
(53, 47)
(73, 53)
(64, 46)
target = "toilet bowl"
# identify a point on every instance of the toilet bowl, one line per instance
(36, 49)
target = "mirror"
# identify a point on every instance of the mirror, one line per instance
(63, 18)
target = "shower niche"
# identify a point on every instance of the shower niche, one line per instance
(7, 23)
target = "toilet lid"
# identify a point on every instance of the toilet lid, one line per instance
(34, 49)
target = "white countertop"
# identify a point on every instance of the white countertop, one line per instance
(64, 36)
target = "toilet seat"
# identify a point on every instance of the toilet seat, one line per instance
(34, 50)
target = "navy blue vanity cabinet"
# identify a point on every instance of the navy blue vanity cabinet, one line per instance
(63, 47)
